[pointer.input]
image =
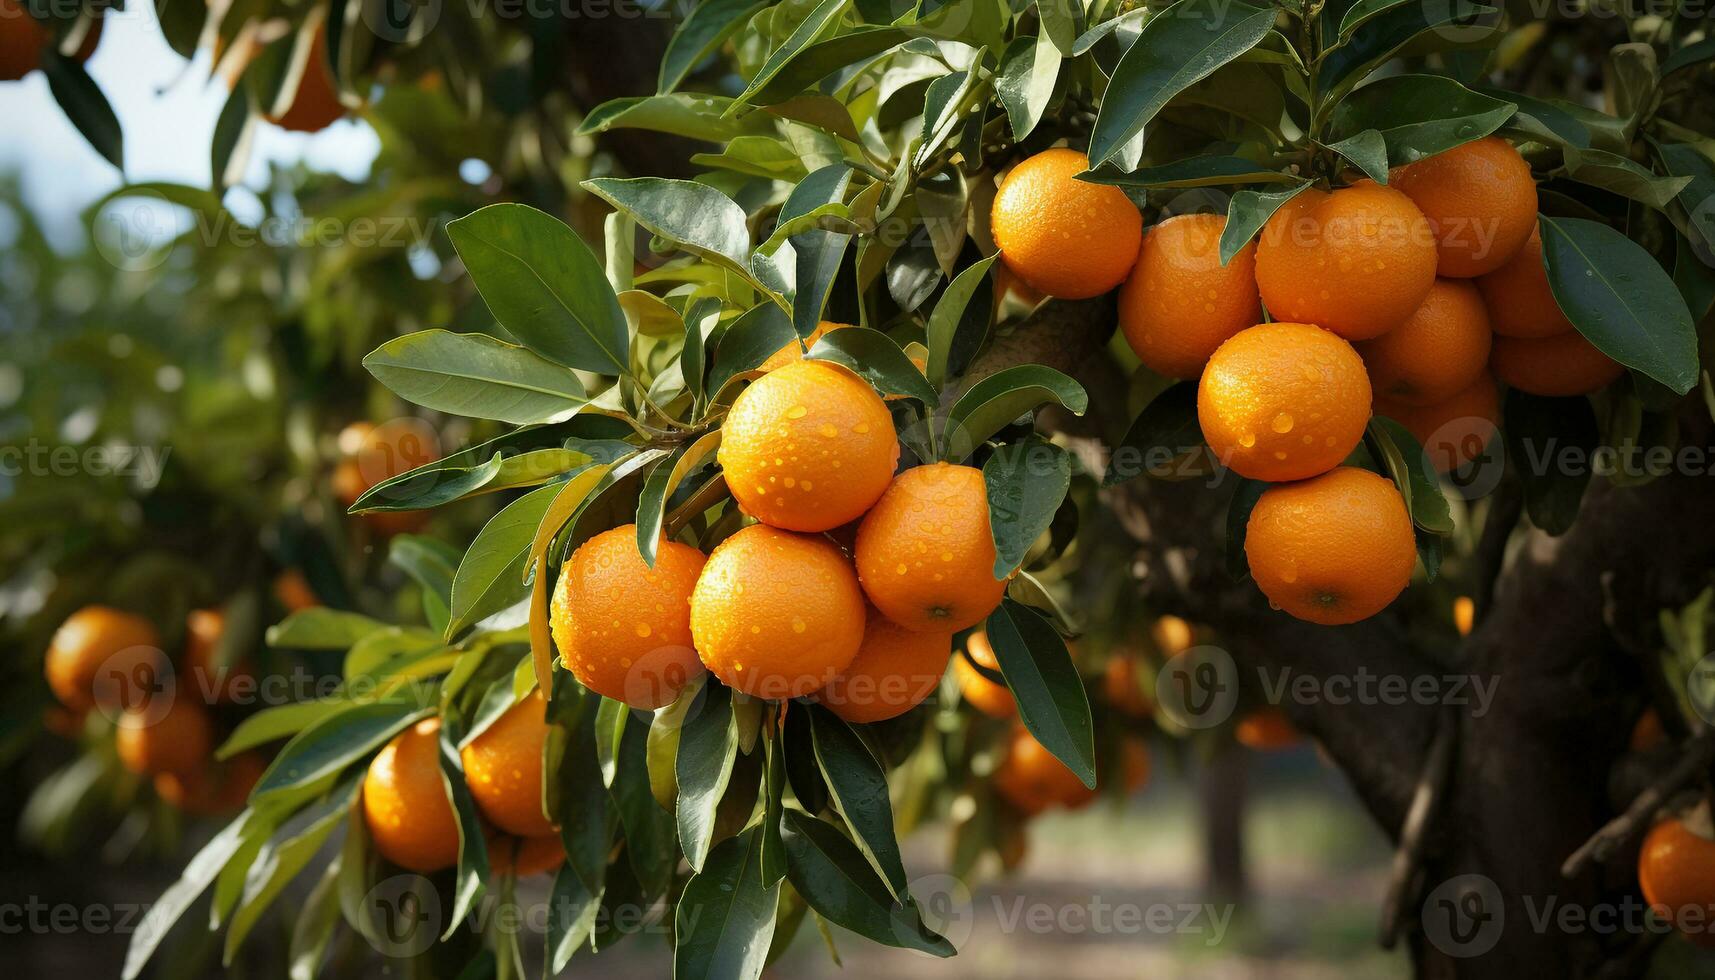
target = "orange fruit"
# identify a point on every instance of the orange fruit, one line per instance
(1648, 732)
(1283, 401)
(1455, 431)
(792, 353)
(213, 789)
(622, 628)
(1562, 365)
(503, 767)
(1135, 764)
(1464, 615)
(1437, 352)
(1266, 730)
(523, 857)
(1120, 683)
(775, 614)
(24, 39)
(292, 590)
(992, 698)
(1676, 871)
(894, 671)
(405, 802)
(1356, 261)
(1033, 780)
(1172, 635)
(374, 454)
(925, 553)
(808, 447)
(1180, 303)
(1479, 197)
(178, 740)
(1062, 236)
(1334, 549)
(101, 655)
(316, 105)
(1521, 302)
(223, 683)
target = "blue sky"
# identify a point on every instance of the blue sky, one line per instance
(167, 108)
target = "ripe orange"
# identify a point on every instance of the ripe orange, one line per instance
(292, 590)
(775, 614)
(23, 39)
(992, 698)
(523, 857)
(925, 553)
(221, 682)
(100, 655)
(1676, 871)
(1464, 615)
(1180, 303)
(1283, 401)
(1521, 303)
(1561, 365)
(1480, 199)
(1120, 683)
(1064, 237)
(1033, 780)
(1334, 549)
(808, 447)
(178, 740)
(213, 789)
(622, 628)
(894, 671)
(1266, 730)
(1437, 352)
(405, 803)
(503, 767)
(374, 454)
(792, 353)
(1455, 431)
(1356, 261)
(1172, 635)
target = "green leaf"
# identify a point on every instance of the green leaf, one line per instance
(83, 103)
(1178, 46)
(707, 27)
(817, 253)
(572, 913)
(1025, 85)
(321, 628)
(476, 376)
(813, 27)
(649, 833)
(662, 481)
(283, 857)
(1417, 116)
(692, 115)
(432, 564)
(748, 341)
(1211, 170)
(278, 722)
(823, 58)
(325, 748)
(1549, 442)
(697, 217)
(1698, 196)
(1621, 300)
(1026, 483)
(1161, 440)
(1246, 214)
(1344, 65)
(858, 787)
(1001, 398)
(577, 797)
(1044, 681)
(1409, 468)
(725, 916)
(1367, 151)
(1363, 11)
(473, 868)
(1689, 56)
(831, 874)
(491, 576)
(314, 927)
(874, 357)
(1060, 22)
(1623, 176)
(545, 286)
(708, 744)
(773, 803)
(178, 897)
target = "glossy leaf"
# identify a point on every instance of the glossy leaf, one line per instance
(1039, 670)
(1001, 398)
(476, 376)
(873, 356)
(829, 871)
(857, 786)
(490, 578)
(726, 915)
(708, 743)
(1248, 211)
(1026, 483)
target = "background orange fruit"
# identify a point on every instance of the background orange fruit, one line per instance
(213, 789)
(316, 104)
(375, 454)
(1464, 614)
(894, 671)
(1521, 302)
(1454, 431)
(503, 767)
(24, 39)
(1333, 549)
(102, 654)
(405, 803)
(1062, 236)
(1283, 401)
(776, 614)
(1676, 871)
(1120, 684)
(992, 698)
(525, 856)
(1564, 364)
(293, 591)
(1033, 780)
(1180, 303)
(1356, 261)
(622, 628)
(179, 739)
(1437, 352)
(792, 353)
(925, 553)
(808, 447)
(1266, 730)
(1480, 199)
(225, 682)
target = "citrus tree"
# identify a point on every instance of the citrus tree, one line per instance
(859, 410)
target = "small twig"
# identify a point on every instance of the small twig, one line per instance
(1693, 764)
(1406, 874)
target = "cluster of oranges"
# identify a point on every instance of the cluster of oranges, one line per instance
(1408, 299)
(849, 588)
(105, 659)
(411, 819)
